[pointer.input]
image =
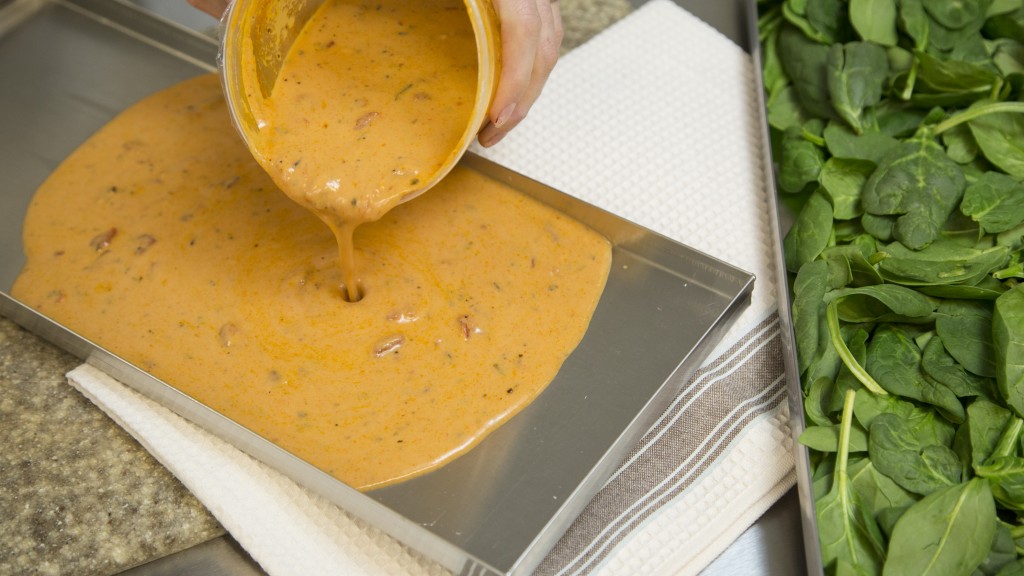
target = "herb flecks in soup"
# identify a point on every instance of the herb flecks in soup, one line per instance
(372, 100)
(163, 241)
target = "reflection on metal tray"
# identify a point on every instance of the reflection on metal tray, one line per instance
(69, 66)
(783, 220)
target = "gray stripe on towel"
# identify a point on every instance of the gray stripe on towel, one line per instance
(714, 407)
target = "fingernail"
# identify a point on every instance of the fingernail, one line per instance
(489, 136)
(505, 114)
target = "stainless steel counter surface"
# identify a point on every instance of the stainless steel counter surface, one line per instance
(78, 495)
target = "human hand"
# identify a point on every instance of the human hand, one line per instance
(531, 34)
(214, 8)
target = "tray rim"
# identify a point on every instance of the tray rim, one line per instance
(797, 422)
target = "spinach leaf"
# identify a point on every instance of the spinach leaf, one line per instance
(865, 243)
(843, 179)
(843, 143)
(987, 289)
(962, 449)
(952, 83)
(1002, 7)
(856, 74)
(1015, 568)
(944, 369)
(956, 15)
(881, 227)
(875, 20)
(774, 77)
(827, 18)
(797, 7)
(784, 109)
(1012, 239)
(1004, 469)
(800, 161)
(920, 185)
(817, 400)
(944, 262)
(805, 63)
(876, 490)
(965, 327)
(823, 475)
(897, 453)
(847, 529)
(1003, 551)
(1006, 475)
(826, 438)
(808, 294)
(953, 76)
(897, 118)
(948, 532)
(1008, 56)
(859, 270)
(888, 517)
(1008, 341)
(961, 43)
(810, 233)
(840, 274)
(883, 303)
(995, 201)
(986, 422)
(922, 422)
(960, 145)
(915, 22)
(894, 361)
(827, 362)
(1000, 137)
(931, 35)
(845, 379)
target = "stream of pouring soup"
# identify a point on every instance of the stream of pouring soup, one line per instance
(372, 101)
(162, 240)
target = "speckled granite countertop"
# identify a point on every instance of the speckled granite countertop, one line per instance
(78, 495)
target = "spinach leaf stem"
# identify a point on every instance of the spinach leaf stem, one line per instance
(846, 421)
(832, 316)
(813, 138)
(977, 112)
(1009, 438)
(770, 20)
(908, 90)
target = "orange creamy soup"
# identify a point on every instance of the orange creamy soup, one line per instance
(162, 240)
(371, 101)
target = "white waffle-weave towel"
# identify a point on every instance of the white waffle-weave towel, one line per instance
(655, 119)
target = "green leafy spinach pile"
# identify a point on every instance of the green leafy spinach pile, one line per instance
(898, 131)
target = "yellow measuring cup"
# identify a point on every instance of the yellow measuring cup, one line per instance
(258, 35)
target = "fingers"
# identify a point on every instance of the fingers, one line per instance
(214, 8)
(531, 34)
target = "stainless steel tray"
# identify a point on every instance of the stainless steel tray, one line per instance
(783, 220)
(70, 65)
